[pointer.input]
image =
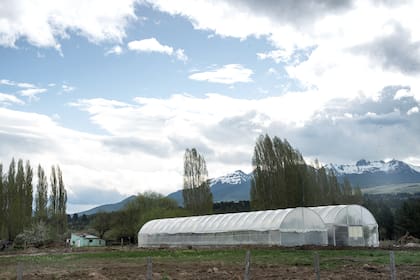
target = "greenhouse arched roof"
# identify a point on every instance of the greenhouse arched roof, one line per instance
(345, 215)
(292, 219)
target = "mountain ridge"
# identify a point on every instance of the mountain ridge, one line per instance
(233, 186)
(236, 186)
(374, 173)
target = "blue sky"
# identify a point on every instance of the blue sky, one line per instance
(115, 91)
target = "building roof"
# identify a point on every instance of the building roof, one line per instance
(86, 235)
(345, 215)
(288, 220)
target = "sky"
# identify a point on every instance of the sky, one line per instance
(115, 91)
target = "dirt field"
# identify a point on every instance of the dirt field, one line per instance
(205, 265)
(217, 271)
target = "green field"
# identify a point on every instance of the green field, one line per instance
(410, 188)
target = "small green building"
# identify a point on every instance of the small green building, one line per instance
(86, 240)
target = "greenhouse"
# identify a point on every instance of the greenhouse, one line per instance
(349, 225)
(285, 227)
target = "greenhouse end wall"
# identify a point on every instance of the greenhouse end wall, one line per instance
(285, 227)
(349, 225)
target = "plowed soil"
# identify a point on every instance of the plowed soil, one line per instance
(184, 271)
(115, 268)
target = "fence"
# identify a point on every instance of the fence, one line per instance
(247, 271)
(318, 261)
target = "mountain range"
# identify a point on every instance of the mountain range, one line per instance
(231, 187)
(368, 174)
(236, 186)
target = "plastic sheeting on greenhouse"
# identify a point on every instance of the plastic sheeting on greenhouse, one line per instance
(349, 225)
(285, 227)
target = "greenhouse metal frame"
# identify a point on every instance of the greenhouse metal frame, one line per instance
(283, 227)
(349, 225)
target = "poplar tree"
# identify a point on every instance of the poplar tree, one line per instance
(41, 197)
(62, 202)
(280, 175)
(11, 195)
(54, 193)
(282, 179)
(2, 203)
(19, 200)
(196, 192)
(27, 194)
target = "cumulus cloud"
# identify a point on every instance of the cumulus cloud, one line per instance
(7, 82)
(394, 51)
(292, 57)
(228, 74)
(44, 23)
(146, 138)
(8, 99)
(360, 128)
(413, 110)
(150, 45)
(316, 40)
(85, 158)
(32, 93)
(153, 45)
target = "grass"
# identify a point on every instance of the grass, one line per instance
(409, 188)
(329, 258)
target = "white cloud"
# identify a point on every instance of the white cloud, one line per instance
(7, 82)
(26, 85)
(150, 45)
(330, 30)
(404, 92)
(7, 99)
(115, 50)
(67, 88)
(146, 138)
(44, 23)
(180, 55)
(277, 55)
(228, 74)
(153, 45)
(413, 110)
(32, 93)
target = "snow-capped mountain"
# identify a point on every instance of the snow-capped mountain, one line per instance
(231, 187)
(373, 173)
(235, 178)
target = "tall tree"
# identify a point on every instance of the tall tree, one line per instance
(41, 197)
(54, 192)
(2, 203)
(11, 195)
(196, 192)
(62, 202)
(283, 179)
(28, 194)
(280, 175)
(19, 201)
(58, 201)
(347, 191)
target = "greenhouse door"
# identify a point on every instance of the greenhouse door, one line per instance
(341, 235)
(356, 236)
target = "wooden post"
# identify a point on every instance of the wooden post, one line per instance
(19, 272)
(247, 265)
(122, 242)
(392, 265)
(149, 274)
(316, 265)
